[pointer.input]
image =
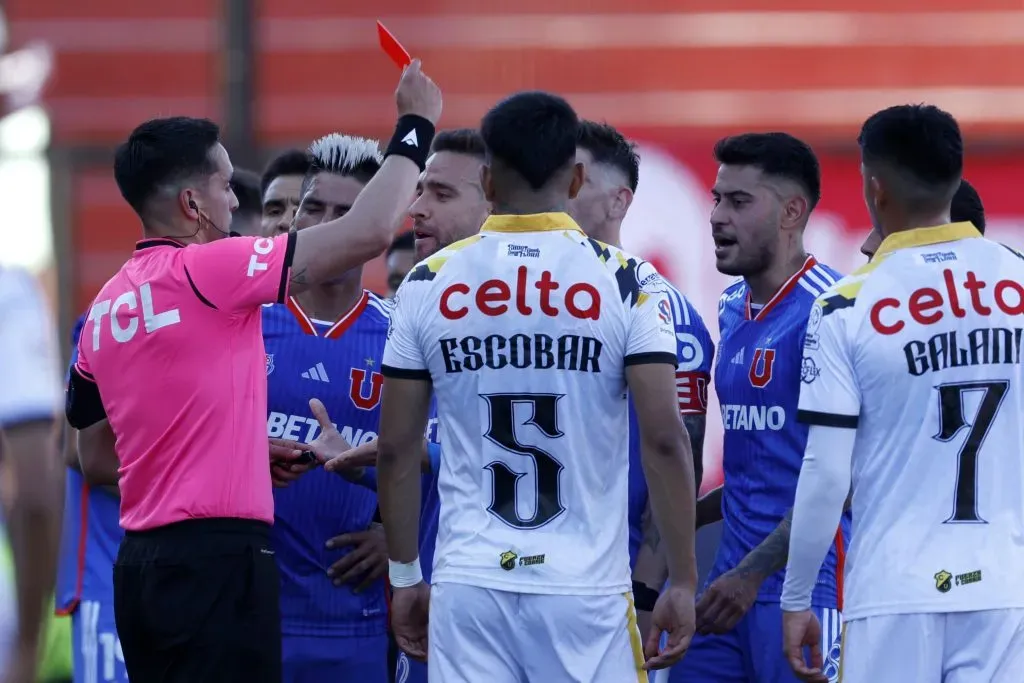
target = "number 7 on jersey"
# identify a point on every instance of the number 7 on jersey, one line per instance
(951, 421)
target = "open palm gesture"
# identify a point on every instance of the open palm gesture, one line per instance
(328, 444)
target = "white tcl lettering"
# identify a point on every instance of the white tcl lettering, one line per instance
(262, 247)
(151, 320)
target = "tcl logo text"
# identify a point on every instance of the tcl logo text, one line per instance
(928, 306)
(262, 247)
(495, 297)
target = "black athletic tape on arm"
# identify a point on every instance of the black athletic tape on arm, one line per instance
(644, 597)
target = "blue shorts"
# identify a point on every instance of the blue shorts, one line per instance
(329, 659)
(752, 651)
(409, 670)
(96, 649)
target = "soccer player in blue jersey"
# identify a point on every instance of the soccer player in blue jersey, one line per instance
(612, 169)
(280, 185)
(326, 343)
(85, 575)
(766, 188)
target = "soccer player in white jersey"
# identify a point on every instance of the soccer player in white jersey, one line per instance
(529, 334)
(914, 391)
(29, 402)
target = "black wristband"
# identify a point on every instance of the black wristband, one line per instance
(644, 597)
(412, 138)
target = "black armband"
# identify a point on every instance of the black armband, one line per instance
(412, 138)
(644, 597)
(82, 404)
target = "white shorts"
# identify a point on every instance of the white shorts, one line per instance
(955, 647)
(478, 634)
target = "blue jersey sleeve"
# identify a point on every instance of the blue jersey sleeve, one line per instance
(695, 352)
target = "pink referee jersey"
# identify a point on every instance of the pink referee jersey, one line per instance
(174, 343)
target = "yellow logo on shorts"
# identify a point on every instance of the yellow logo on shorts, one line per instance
(943, 581)
(508, 560)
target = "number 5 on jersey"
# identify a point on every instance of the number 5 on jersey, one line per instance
(505, 493)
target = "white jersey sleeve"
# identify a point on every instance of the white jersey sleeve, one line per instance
(28, 359)
(829, 396)
(403, 354)
(651, 337)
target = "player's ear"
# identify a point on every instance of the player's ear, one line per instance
(795, 211)
(187, 203)
(577, 180)
(621, 201)
(487, 182)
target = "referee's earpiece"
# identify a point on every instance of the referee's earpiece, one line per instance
(192, 205)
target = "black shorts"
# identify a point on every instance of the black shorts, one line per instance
(198, 602)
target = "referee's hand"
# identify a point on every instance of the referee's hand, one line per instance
(284, 465)
(417, 94)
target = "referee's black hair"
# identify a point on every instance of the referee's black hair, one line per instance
(532, 134)
(459, 141)
(919, 150)
(404, 242)
(608, 146)
(161, 153)
(967, 206)
(294, 162)
(246, 186)
(776, 154)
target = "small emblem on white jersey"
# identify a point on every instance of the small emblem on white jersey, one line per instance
(938, 257)
(521, 251)
(508, 560)
(809, 371)
(411, 139)
(943, 581)
(317, 373)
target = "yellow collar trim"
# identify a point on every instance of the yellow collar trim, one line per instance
(921, 237)
(534, 222)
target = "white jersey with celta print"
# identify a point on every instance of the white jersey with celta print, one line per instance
(525, 331)
(30, 390)
(921, 352)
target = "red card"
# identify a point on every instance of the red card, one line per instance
(399, 55)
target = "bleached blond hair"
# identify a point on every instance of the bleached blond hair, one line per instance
(346, 155)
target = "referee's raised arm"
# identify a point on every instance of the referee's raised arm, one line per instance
(323, 251)
(169, 391)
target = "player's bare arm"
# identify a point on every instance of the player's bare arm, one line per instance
(33, 525)
(70, 453)
(709, 507)
(96, 454)
(325, 251)
(668, 468)
(729, 597)
(651, 569)
(405, 405)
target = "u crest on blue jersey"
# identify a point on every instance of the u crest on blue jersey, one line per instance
(357, 392)
(761, 367)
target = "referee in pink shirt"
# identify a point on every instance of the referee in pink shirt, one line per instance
(170, 393)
